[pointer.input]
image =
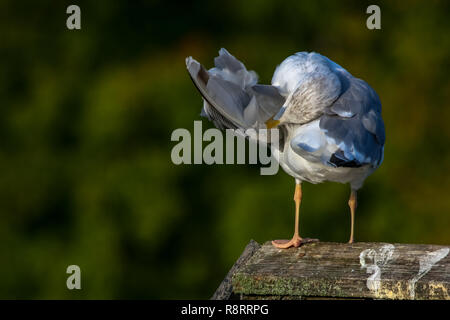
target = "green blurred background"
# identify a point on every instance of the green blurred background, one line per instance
(85, 124)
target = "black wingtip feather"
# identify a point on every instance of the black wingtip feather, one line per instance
(337, 159)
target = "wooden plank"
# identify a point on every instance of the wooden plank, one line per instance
(359, 270)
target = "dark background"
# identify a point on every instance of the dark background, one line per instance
(86, 118)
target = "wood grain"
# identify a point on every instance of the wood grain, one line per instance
(337, 270)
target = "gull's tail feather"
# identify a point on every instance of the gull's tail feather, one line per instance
(232, 97)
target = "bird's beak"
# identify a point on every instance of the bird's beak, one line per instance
(275, 120)
(272, 123)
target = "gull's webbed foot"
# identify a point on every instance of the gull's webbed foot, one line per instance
(295, 242)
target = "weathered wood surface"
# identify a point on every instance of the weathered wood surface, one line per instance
(337, 270)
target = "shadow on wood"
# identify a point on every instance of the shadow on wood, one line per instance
(336, 270)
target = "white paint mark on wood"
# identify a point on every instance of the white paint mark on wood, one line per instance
(426, 262)
(379, 258)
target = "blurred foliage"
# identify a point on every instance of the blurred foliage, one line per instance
(85, 124)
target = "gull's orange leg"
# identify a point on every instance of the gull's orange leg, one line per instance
(296, 240)
(352, 203)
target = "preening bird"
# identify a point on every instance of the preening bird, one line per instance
(329, 122)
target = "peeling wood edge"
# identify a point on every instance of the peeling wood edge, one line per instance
(225, 289)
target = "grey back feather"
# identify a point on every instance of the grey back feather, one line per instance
(311, 84)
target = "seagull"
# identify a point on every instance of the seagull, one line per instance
(329, 122)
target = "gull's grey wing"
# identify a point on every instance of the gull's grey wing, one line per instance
(222, 116)
(232, 97)
(350, 133)
(267, 102)
(361, 136)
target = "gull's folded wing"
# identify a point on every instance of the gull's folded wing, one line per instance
(351, 132)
